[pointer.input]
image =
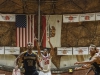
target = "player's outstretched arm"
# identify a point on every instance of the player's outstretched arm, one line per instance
(52, 49)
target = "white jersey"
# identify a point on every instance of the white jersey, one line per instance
(16, 72)
(45, 62)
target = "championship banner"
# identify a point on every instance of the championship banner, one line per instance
(7, 17)
(97, 16)
(80, 51)
(12, 50)
(1, 50)
(70, 18)
(87, 17)
(64, 51)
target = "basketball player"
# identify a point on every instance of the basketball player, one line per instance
(29, 60)
(94, 61)
(45, 59)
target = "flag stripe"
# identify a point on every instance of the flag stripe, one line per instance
(17, 39)
(44, 30)
(25, 34)
(32, 21)
(27, 31)
(20, 37)
(23, 37)
(29, 28)
(34, 27)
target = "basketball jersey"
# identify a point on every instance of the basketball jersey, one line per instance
(45, 62)
(29, 61)
(95, 66)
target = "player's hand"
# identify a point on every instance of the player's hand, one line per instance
(76, 68)
(77, 63)
(48, 39)
(35, 39)
(84, 66)
(86, 74)
(41, 68)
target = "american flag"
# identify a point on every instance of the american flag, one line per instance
(25, 30)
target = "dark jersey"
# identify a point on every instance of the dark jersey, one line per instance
(96, 67)
(29, 61)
